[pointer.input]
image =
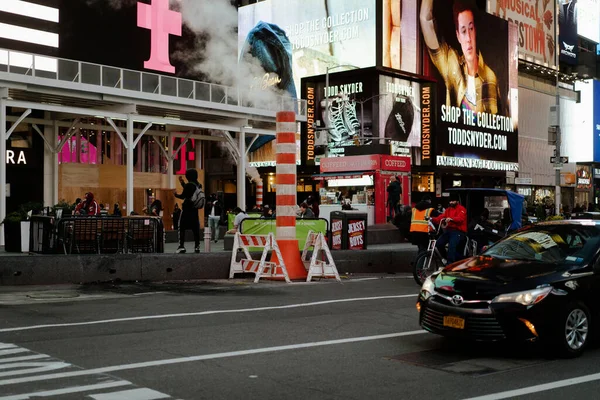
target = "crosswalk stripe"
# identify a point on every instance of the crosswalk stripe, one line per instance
(12, 351)
(36, 364)
(23, 358)
(35, 367)
(74, 389)
(133, 394)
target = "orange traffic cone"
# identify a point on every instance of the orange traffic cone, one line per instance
(291, 258)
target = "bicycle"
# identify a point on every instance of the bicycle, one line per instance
(431, 260)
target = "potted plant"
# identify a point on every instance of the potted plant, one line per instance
(17, 227)
(66, 207)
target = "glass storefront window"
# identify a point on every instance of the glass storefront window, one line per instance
(423, 183)
(95, 146)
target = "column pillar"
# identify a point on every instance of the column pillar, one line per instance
(49, 156)
(170, 155)
(2, 166)
(286, 200)
(130, 150)
(55, 169)
(241, 170)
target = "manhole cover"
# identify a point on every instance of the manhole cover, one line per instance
(50, 296)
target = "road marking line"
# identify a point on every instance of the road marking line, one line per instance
(58, 392)
(538, 388)
(200, 313)
(35, 367)
(114, 368)
(24, 358)
(133, 394)
(12, 351)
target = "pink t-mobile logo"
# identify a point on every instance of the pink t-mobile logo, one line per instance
(161, 21)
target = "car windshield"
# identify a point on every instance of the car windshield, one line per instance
(549, 244)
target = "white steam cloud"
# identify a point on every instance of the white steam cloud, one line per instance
(218, 20)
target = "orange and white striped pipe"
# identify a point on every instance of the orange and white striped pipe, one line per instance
(285, 180)
(259, 192)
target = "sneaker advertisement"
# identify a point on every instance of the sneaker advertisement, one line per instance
(361, 108)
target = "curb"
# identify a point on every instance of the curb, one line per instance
(76, 269)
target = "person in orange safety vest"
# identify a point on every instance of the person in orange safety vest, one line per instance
(419, 225)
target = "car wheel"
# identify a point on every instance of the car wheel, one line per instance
(572, 331)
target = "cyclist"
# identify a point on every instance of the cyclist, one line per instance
(456, 229)
(419, 224)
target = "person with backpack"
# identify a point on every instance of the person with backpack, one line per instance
(193, 199)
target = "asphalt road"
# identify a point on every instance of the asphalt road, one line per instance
(235, 340)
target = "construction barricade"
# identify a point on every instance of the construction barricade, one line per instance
(261, 268)
(317, 267)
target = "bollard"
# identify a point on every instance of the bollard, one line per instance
(207, 239)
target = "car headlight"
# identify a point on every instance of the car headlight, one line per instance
(428, 288)
(526, 298)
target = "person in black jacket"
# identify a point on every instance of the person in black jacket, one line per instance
(189, 213)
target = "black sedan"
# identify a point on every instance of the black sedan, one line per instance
(542, 283)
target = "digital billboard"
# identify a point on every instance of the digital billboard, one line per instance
(318, 34)
(596, 121)
(588, 19)
(400, 33)
(400, 115)
(535, 21)
(568, 21)
(145, 35)
(339, 115)
(474, 58)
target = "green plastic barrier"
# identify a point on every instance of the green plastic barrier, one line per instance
(252, 226)
(231, 218)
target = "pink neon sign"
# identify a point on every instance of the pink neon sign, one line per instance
(161, 21)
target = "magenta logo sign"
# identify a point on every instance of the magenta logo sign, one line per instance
(162, 22)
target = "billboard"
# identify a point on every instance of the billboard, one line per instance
(568, 20)
(400, 34)
(145, 35)
(596, 121)
(318, 35)
(339, 115)
(535, 25)
(400, 115)
(474, 60)
(588, 19)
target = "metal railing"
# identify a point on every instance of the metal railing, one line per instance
(96, 235)
(103, 76)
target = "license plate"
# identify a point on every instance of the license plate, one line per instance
(454, 322)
